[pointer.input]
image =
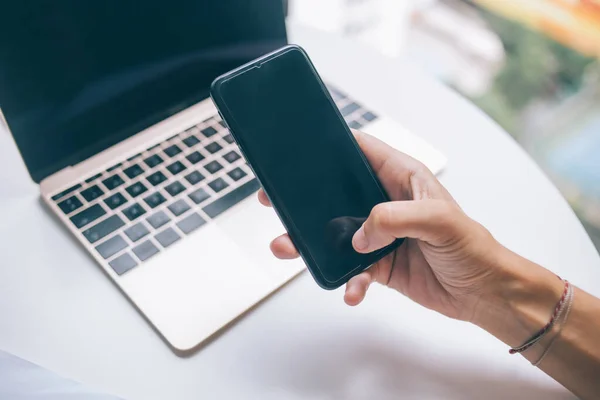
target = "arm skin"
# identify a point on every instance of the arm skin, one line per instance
(521, 304)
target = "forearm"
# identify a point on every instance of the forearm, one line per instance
(522, 301)
(574, 358)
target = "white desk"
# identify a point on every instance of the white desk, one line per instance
(57, 308)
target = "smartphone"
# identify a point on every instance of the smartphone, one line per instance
(303, 153)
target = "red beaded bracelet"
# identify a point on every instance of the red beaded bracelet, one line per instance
(540, 334)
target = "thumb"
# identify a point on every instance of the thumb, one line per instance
(432, 221)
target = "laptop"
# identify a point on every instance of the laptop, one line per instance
(109, 107)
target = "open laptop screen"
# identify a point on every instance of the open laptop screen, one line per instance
(77, 77)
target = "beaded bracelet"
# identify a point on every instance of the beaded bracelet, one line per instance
(540, 334)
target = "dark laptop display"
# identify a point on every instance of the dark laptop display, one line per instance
(77, 77)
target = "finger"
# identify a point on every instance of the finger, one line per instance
(263, 199)
(403, 177)
(432, 221)
(283, 248)
(356, 288)
(379, 153)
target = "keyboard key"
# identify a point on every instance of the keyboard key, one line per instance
(158, 219)
(134, 157)
(191, 141)
(92, 193)
(93, 178)
(232, 156)
(155, 199)
(114, 167)
(222, 123)
(369, 116)
(349, 109)
(113, 182)
(145, 250)
(194, 177)
(191, 223)
(111, 247)
(153, 161)
(213, 147)
(213, 167)
(136, 189)
(175, 188)
(176, 167)
(167, 237)
(218, 184)
(228, 138)
(115, 201)
(70, 204)
(230, 199)
(123, 263)
(133, 171)
(104, 228)
(199, 196)
(179, 207)
(156, 146)
(237, 174)
(195, 157)
(156, 178)
(133, 212)
(208, 132)
(87, 216)
(354, 124)
(172, 151)
(65, 192)
(336, 94)
(136, 232)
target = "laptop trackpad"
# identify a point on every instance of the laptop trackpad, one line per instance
(197, 286)
(253, 226)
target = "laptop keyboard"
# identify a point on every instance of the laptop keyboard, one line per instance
(141, 206)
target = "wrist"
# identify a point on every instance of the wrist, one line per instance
(520, 299)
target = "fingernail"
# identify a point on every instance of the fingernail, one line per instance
(359, 241)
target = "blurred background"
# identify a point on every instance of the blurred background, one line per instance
(531, 65)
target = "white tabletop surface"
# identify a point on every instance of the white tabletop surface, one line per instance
(58, 309)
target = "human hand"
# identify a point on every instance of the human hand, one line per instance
(448, 259)
(453, 265)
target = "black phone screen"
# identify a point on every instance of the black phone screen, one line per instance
(306, 159)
